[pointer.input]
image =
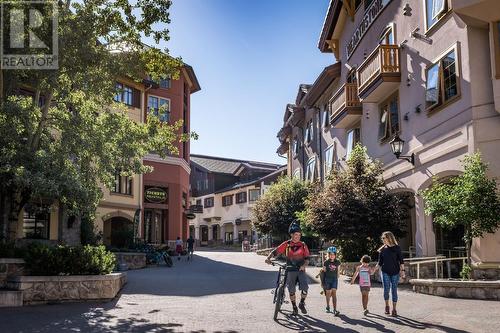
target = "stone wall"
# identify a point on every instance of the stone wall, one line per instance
(10, 267)
(458, 289)
(486, 273)
(55, 289)
(130, 260)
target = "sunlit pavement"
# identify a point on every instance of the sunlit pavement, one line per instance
(230, 292)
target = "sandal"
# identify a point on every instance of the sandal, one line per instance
(387, 310)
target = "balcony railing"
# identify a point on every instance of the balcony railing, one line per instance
(344, 100)
(383, 60)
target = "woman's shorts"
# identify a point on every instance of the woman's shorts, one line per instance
(331, 283)
(364, 288)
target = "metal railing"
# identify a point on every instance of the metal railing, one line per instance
(436, 261)
(384, 59)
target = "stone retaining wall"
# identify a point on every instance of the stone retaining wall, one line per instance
(458, 289)
(486, 273)
(132, 260)
(73, 288)
(10, 267)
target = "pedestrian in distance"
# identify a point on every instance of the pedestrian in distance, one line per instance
(364, 271)
(392, 265)
(297, 258)
(331, 279)
(178, 247)
(190, 247)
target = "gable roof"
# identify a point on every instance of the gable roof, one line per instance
(332, 15)
(271, 176)
(228, 165)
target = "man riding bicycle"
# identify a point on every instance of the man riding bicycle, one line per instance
(297, 258)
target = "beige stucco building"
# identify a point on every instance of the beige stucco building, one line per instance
(425, 70)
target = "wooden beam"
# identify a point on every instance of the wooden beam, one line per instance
(334, 46)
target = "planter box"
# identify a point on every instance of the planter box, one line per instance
(10, 267)
(458, 288)
(73, 288)
(132, 260)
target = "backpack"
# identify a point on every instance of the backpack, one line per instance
(287, 250)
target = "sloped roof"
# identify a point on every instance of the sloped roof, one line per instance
(275, 174)
(228, 165)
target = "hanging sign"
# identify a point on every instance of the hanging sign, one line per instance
(155, 195)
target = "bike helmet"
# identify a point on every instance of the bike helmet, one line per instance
(332, 249)
(294, 227)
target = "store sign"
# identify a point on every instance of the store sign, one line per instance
(196, 209)
(370, 15)
(190, 215)
(155, 195)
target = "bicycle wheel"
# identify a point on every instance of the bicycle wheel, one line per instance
(279, 300)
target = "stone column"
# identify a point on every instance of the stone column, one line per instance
(222, 233)
(210, 233)
(235, 233)
(197, 233)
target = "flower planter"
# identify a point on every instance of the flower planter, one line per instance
(73, 288)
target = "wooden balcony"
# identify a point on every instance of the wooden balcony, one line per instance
(379, 74)
(345, 106)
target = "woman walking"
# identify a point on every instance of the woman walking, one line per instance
(392, 265)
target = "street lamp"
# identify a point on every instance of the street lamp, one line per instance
(397, 145)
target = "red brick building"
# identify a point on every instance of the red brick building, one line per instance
(166, 189)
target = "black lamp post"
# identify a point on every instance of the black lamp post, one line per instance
(397, 145)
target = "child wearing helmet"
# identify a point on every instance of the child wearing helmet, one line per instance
(330, 269)
(297, 258)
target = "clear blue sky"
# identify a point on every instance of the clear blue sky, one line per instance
(250, 57)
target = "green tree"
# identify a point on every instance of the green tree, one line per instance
(279, 206)
(354, 207)
(470, 199)
(69, 136)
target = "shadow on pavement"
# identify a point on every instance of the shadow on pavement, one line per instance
(200, 277)
(308, 324)
(415, 324)
(78, 317)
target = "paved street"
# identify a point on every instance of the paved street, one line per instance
(230, 292)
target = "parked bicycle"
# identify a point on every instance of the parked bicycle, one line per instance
(279, 291)
(156, 255)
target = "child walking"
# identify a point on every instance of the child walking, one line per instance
(364, 271)
(330, 269)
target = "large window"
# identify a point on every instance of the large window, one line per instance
(296, 146)
(434, 10)
(326, 116)
(388, 118)
(329, 160)
(209, 202)
(123, 184)
(241, 197)
(442, 81)
(160, 107)
(124, 94)
(353, 137)
(36, 221)
(309, 132)
(253, 195)
(311, 169)
(227, 200)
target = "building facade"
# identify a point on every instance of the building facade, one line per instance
(225, 190)
(425, 71)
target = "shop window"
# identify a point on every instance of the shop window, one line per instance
(311, 169)
(36, 221)
(241, 197)
(353, 138)
(434, 10)
(388, 118)
(209, 202)
(227, 200)
(442, 82)
(160, 107)
(254, 195)
(123, 184)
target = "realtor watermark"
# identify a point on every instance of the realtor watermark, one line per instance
(29, 34)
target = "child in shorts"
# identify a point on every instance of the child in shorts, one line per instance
(330, 280)
(364, 271)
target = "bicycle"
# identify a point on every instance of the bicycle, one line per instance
(156, 255)
(279, 291)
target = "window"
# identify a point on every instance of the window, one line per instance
(209, 202)
(165, 83)
(353, 137)
(253, 195)
(351, 76)
(496, 45)
(329, 160)
(309, 132)
(442, 81)
(311, 169)
(388, 118)
(198, 202)
(36, 221)
(296, 174)
(326, 116)
(123, 184)
(387, 36)
(160, 107)
(434, 10)
(241, 197)
(296, 147)
(368, 3)
(227, 200)
(124, 94)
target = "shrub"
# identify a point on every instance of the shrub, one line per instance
(65, 260)
(9, 250)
